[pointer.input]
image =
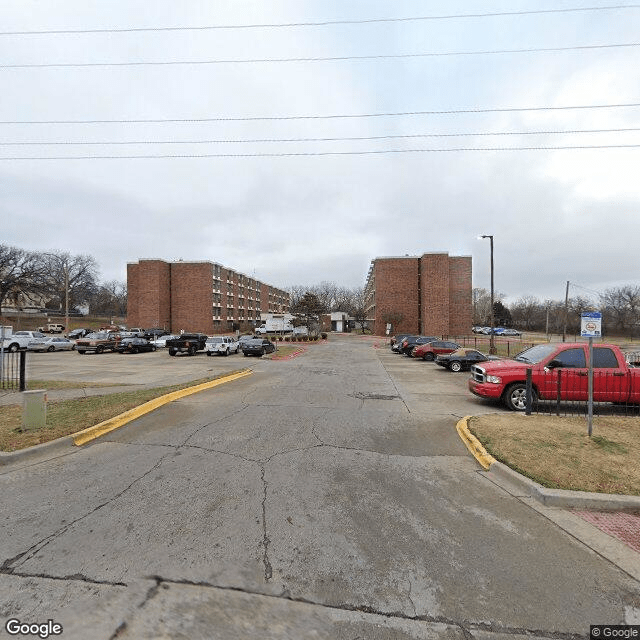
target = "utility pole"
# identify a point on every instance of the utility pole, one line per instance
(566, 314)
(492, 345)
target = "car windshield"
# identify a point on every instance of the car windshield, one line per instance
(214, 340)
(99, 335)
(255, 341)
(536, 354)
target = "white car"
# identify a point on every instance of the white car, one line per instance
(21, 340)
(51, 344)
(161, 341)
(222, 345)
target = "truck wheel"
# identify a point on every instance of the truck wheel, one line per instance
(455, 366)
(192, 350)
(515, 397)
(172, 351)
(226, 353)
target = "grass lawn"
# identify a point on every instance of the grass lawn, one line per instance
(68, 416)
(557, 453)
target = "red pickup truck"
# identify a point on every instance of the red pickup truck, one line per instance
(614, 379)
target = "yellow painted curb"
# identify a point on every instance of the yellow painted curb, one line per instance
(473, 444)
(91, 433)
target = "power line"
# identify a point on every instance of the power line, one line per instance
(323, 23)
(324, 139)
(398, 56)
(384, 114)
(322, 153)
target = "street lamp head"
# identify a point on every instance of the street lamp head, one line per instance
(486, 236)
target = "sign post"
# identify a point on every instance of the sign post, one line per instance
(591, 328)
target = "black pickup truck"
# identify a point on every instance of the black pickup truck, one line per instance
(188, 343)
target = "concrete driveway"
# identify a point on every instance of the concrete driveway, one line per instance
(323, 497)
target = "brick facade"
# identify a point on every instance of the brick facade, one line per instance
(428, 294)
(197, 296)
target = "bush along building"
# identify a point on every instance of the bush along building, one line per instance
(428, 294)
(197, 296)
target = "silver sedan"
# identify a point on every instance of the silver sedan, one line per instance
(51, 344)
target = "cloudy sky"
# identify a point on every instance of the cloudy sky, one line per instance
(299, 153)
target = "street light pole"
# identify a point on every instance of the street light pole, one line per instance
(492, 345)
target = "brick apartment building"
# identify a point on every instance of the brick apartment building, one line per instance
(197, 296)
(431, 292)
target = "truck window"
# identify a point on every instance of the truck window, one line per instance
(572, 358)
(604, 358)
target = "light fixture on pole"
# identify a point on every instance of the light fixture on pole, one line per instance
(492, 346)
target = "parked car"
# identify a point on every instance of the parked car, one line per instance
(410, 342)
(78, 333)
(51, 344)
(98, 342)
(161, 341)
(222, 345)
(397, 339)
(558, 370)
(510, 332)
(134, 345)
(21, 339)
(462, 359)
(430, 350)
(244, 339)
(154, 332)
(258, 347)
(189, 343)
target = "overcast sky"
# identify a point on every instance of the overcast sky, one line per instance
(324, 212)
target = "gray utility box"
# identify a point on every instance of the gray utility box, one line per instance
(34, 409)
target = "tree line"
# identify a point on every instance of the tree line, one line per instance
(54, 279)
(620, 308)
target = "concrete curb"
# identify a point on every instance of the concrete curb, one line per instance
(529, 488)
(67, 444)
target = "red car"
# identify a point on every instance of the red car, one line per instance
(430, 350)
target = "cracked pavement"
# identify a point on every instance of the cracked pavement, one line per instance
(323, 497)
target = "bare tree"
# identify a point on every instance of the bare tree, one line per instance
(21, 274)
(110, 299)
(79, 273)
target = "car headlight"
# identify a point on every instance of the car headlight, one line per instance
(494, 379)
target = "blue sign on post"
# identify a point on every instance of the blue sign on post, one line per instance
(591, 325)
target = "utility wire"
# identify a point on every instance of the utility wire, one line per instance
(385, 114)
(334, 139)
(398, 56)
(324, 153)
(323, 23)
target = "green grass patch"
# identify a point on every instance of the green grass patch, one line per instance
(557, 453)
(69, 416)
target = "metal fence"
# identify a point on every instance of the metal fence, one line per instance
(12, 370)
(565, 392)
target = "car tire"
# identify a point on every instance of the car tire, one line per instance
(515, 397)
(51, 348)
(192, 350)
(99, 349)
(209, 353)
(429, 357)
(13, 347)
(226, 353)
(172, 351)
(245, 354)
(455, 366)
(153, 347)
(81, 352)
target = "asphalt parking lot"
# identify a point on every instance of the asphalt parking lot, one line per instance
(139, 370)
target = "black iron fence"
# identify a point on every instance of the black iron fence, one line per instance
(12, 370)
(565, 392)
